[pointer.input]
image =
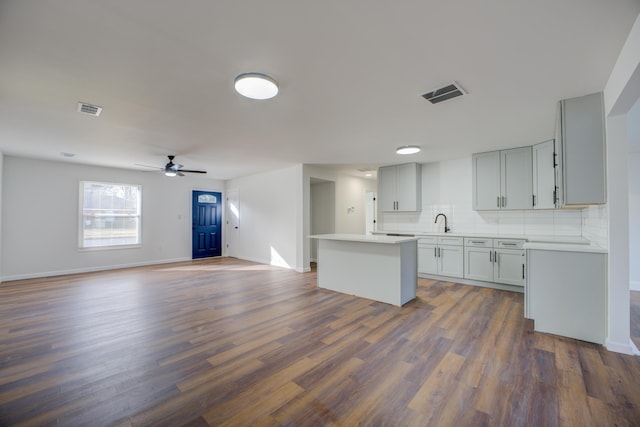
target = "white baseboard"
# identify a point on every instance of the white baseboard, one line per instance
(622, 347)
(634, 285)
(89, 269)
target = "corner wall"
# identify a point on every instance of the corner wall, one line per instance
(633, 132)
(269, 205)
(620, 94)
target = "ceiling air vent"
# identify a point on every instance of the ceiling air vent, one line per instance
(452, 90)
(92, 110)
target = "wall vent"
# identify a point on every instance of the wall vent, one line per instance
(92, 110)
(449, 91)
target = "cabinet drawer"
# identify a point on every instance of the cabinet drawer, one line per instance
(428, 240)
(456, 241)
(508, 243)
(478, 242)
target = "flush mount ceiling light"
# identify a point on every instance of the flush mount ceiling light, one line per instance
(256, 86)
(408, 149)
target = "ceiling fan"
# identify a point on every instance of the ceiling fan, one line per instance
(173, 169)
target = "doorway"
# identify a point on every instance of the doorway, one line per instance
(207, 215)
(323, 211)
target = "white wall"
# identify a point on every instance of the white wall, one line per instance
(633, 132)
(1, 180)
(269, 205)
(447, 188)
(40, 218)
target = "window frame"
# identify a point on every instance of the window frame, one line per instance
(81, 216)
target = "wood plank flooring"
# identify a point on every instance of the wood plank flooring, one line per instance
(222, 342)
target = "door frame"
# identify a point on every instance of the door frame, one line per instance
(228, 226)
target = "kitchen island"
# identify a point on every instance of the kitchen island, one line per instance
(381, 268)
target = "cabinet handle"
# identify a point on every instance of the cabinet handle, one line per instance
(508, 244)
(533, 203)
(439, 256)
(477, 241)
(490, 258)
(504, 201)
(523, 271)
(495, 256)
(435, 252)
(498, 201)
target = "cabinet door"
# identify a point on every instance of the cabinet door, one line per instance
(451, 261)
(478, 263)
(427, 261)
(544, 181)
(516, 177)
(583, 149)
(508, 267)
(486, 180)
(409, 178)
(387, 185)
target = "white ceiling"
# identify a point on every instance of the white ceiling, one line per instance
(351, 74)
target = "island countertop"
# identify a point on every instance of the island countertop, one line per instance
(365, 238)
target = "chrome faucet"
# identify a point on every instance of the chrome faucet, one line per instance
(446, 229)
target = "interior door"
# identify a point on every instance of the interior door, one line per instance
(233, 222)
(207, 216)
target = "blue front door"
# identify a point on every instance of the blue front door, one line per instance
(207, 219)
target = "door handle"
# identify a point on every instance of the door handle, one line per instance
(236, 227)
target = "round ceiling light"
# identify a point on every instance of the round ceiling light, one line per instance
(256, 86)
(408, 149)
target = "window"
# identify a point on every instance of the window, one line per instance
(109, 214)
(207, 198)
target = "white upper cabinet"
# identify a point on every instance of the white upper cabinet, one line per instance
(486, 181)
(581, 143)
(516, 181)
(503, 179)
(399, 188)
(544, 175)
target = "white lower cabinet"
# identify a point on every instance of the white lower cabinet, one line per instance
(567, 293)
(478, 262)
(441, 255)
(494, 260)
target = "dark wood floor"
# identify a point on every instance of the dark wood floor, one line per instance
(226, 342)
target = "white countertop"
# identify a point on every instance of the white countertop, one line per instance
(540, 242)
(574, 240)
(564, 247)
(366, 238)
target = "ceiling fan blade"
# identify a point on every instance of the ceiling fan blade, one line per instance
(192, 171)
(148, 166)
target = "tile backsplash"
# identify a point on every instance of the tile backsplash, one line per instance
(446, 188)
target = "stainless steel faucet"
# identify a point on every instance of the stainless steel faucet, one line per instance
(446, 229)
